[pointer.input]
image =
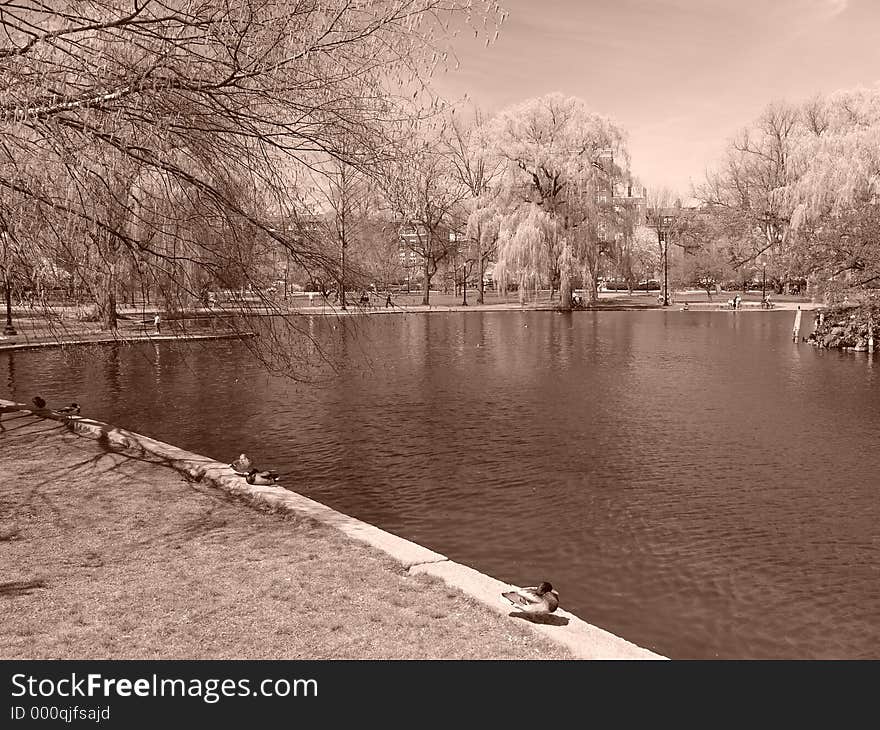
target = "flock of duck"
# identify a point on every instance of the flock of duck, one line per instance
(538, 600)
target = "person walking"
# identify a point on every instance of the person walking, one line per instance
(158, 324)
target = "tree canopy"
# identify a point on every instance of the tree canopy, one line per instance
(800, 186)
(160, 144)
(561, 160)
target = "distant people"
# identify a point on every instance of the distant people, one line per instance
(388, 300)
(736, 301)
(365, 298)
(157, 323)
(686, 306)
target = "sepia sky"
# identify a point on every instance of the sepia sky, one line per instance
(681, 76)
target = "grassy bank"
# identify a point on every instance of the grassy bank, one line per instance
(107, 556)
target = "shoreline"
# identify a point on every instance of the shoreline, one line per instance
(581, 639)
(36, 333)
(103, 339)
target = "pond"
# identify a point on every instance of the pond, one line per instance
(692, 481)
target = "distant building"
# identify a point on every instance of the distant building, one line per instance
(625, 201)
(411, 241)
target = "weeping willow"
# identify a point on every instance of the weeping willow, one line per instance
(560, 159)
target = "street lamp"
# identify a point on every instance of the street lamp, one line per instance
(764, 284)
(665, 269)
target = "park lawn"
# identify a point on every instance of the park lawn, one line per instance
(104, 556)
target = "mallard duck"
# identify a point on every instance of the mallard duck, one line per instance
(261, 477)
(242, 465)
(38, 402)
(540, 599)
(71, 410)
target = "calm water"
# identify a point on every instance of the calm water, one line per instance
(692, 481)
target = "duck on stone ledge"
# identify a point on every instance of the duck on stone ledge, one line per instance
(265, 478)
(540, 600)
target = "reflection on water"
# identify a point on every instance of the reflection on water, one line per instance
(692, 481)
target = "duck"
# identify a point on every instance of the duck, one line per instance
(265, 477)
(541, 599)
(38, 402)
(242, 465)
(71, 410)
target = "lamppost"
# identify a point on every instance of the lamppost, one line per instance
(665, 243)
(763, 284)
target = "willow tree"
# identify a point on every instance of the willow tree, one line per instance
(214, 101)
(835, 201)
(561, 161)
(799, 190)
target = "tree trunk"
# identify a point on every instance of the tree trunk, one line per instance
(342, 302)
(565, 292)
(426, 284)
(592, 290)
(480, 285)
(110, 314)
(565, 278)
(107, 292)
(107, 299)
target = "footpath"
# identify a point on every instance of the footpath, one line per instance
(117, 546)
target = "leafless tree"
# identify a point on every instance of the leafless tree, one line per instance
(157, 144)
(470, 154)
(426, 199)
(758, 163)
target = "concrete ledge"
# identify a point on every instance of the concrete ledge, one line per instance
(582, 639)
(122, 339)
